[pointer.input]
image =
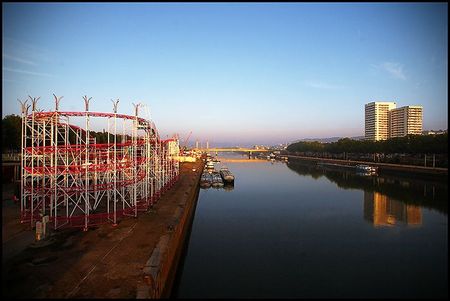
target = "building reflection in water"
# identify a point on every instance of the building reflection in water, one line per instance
(381, 210)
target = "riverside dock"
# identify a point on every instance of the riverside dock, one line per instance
(383, 167)
(138, 258)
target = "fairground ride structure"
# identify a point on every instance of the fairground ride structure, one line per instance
(76, 181)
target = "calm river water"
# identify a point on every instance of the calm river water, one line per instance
(293, 230)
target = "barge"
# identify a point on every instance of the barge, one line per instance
(206, 180)
(360, 168)
(226, 174)
(216, 180)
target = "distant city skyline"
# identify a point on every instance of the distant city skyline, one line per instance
(232, 73)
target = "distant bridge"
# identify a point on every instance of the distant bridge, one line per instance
(247, 150)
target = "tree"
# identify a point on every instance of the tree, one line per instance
(11, 132)
(411, 144)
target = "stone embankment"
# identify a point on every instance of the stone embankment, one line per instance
(136, 259)
(383, 167)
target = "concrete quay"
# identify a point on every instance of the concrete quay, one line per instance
(136, 259)
(383, 167)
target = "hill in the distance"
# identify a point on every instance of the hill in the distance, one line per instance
(328, 140)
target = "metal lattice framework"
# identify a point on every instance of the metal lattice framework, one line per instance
(78, 182)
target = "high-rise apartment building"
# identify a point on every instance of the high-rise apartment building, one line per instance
(405, 121)
(377, 120)
(383, 120)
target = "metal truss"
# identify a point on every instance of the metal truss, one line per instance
(78, 182)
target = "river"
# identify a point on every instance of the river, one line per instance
(292, 230)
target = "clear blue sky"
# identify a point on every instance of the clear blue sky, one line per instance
(232, 73)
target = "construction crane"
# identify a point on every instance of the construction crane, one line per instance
(186, 141)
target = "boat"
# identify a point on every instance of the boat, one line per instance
(216, 180)
(206, 180)
(209, 165)
(359, 168)
(226, 174)
(366, 168)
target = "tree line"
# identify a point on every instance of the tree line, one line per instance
(11, 132)
(411, 144)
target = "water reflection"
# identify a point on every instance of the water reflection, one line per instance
(225, 187)
(381, 207)
(228, 187)
(380, 210)
(427, 193)
(295, 231)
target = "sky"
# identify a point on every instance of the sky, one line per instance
(230, 73)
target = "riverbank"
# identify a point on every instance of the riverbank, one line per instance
(106, 261)
(383, 167)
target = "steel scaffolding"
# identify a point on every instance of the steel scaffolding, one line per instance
(78, 182)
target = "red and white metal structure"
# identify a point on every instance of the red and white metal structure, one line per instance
(78, 182)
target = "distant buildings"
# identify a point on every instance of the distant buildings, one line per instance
(404, 121)
(434, 132)
(383, 120)
(260, 147)
(377, 120)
